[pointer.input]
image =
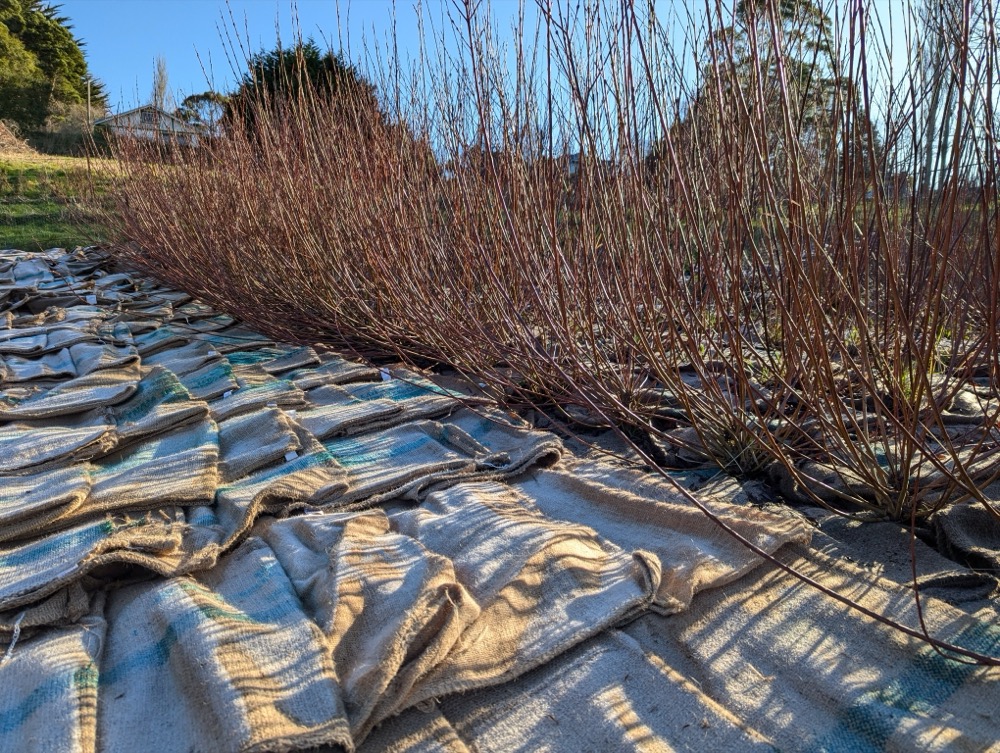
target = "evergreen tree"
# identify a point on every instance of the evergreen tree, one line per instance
(277, 76)
(42, 67)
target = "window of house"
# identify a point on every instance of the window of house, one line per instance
(147, 117)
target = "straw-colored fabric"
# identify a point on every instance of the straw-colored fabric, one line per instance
(226, 662)
(297, 358)
(159, 404)
(389, 609)
(49, 687)
(400, 461)
(509, 557)
(247, 399)
(606, 695)
(235, 338)
(811, 674)
(32, 570)
(248, 443)
(97, 390)
(308, 477)
(332, 370)
(160, 339)
(177, 468)
(38, 340)
(183, 359)
(32, 446)
(624, 506)
(415, 731)
(211, 381)
(333, 412)
(28, 504)
(508, 445)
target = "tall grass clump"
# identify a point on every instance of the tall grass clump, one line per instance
(761, 235)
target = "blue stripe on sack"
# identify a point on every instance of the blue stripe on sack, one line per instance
(150, 393)
(13, 717)
(392, 390)
(249, 357)
(214, 374)
(80, 680)
(52, 547)
(206, 606)
(929, 681)
(352, 453)
(261, 479)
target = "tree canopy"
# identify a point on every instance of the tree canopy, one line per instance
(204, 109)
(42, 67)
(278, 75)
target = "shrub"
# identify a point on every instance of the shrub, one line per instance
(611, 230)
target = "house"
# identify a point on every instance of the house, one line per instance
(153, 124)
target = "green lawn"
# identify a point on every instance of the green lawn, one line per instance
(40, 201)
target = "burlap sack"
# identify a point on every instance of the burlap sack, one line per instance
(508, 446)
(297, 358)
(251, 374)
(77, 360)
(235, 338)
(334, 370)
(211, 381)
(275, 393)
(159, 404)
(199, 324)
(810, 674)
(184, 359)
(49, 687)
(253, 441)
(223, 662)
(307, 478)
(144, 315)
(28, 503)
(36, 341)
(32, 446)
(160, 339)
(29, 273)
(605, 695)
(194, 310)
(423, 730)
(333, 412)
(176, 468)
(389, 609)
(55, 365)
(624, 506)
(398, 461)
(32, 570)
(543, 585)
(416, 398)
(97, 390)
(276, 360)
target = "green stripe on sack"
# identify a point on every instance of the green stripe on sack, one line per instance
(928, 682)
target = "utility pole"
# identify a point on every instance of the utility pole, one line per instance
(89, 79)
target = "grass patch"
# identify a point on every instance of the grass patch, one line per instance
(43, 200)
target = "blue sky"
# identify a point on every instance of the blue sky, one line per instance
(124, 37)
